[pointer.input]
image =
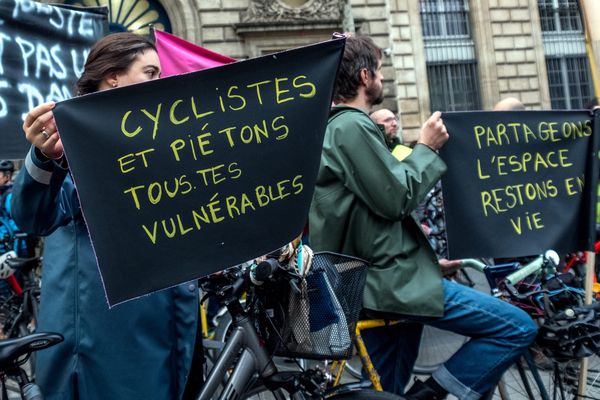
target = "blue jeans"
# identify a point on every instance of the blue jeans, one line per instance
(499, 333)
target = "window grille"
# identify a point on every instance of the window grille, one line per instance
(559, 16)
(569, 78)
(569, 81)
(453, 87)
(445, 18)
(449, 55)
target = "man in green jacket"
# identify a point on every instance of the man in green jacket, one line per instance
(364, 205)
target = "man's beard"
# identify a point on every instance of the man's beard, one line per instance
(374, 94)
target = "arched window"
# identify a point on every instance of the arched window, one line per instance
(131, 15)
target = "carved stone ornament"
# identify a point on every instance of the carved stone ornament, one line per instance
(280, 11)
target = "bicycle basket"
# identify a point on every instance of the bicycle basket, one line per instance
(321, 319)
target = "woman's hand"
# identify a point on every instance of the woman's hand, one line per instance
(40, 130)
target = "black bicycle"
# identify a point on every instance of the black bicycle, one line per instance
(14, 354)
(19, 310)
(279, 318)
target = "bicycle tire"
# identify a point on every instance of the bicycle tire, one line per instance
(524, 380)
(593, 378)
(354, 367)
(436, 347)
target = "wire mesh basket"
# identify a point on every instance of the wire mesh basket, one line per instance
(321, 318)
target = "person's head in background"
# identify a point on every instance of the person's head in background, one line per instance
(359, 76)
(6, 170)
(389, 120)
(592, 104)
(119, 59)
(509, 104)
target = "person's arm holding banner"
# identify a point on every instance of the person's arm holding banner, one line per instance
(37, 188)
(40, 130)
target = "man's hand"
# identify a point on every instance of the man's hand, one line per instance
(449, 267)
(434, 133)
(426, 229)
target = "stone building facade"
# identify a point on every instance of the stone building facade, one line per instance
(499, 44)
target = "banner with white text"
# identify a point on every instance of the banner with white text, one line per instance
(43, 49)
(188, 175)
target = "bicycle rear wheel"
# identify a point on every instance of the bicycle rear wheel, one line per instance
(557, 382)
(593, 378)
(436, 347)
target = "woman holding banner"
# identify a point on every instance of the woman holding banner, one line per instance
(141, 349)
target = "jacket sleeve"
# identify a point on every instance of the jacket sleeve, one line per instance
(392, 189)
(44, 198)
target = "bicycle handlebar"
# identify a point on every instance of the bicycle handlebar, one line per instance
(548, 258)
(263, 271)
(473, 263)
(529, 269)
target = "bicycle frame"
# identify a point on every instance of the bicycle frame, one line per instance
(337, 367)
(253, 358)
(28, 306)
(244, 358)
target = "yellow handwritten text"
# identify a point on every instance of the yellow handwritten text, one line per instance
(256, 133)
(535, 161)
(502, 199)
(574, 186)
(517, 132)
(533, 221)
(155, 191)
(127, 159)
(220, 208)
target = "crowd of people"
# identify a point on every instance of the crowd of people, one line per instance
(144, 348)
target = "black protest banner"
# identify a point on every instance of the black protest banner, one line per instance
(43, 49)
(518, 183)
(188, 175)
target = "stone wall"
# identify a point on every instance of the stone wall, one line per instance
(519, 52)
(409, 68)
(506, 33)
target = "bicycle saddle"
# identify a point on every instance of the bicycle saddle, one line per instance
(12, 349)
(23, 264)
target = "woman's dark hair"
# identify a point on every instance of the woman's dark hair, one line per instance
(111, 54)
(360, 52)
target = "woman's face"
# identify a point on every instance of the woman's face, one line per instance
(145, 67)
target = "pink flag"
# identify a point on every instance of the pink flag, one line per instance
(178, 56)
